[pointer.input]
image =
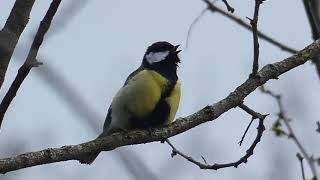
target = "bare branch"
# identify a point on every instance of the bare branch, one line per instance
(255, 115)
(215, 166)
(282, 116)
(209, 113)
(254, 24)
(31, 59)
(11, 32)
(245, 132)
(247, 26)
(300, 158)
(229, 8)
(312, 10)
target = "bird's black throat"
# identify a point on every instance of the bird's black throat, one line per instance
(167, 68)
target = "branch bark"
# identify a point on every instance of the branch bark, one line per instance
(11, 32)
(209, 113)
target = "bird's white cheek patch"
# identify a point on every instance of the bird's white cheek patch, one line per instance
(154, 57)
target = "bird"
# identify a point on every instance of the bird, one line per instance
(149, 97)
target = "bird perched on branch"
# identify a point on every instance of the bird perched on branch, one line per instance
(149, 97)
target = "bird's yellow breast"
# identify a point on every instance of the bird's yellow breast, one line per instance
(143, 91)
(173, 101)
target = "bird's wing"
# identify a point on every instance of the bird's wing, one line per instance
(133, 74)
(108, 118)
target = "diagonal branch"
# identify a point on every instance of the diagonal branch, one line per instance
(229, 8)
(291, 134)
(254, 114)
(209, 113)
(11, 32)
(247, 26)
(31, 59)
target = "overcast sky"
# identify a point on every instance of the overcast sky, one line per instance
(94, 45)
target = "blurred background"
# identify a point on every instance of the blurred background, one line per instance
(92, 46)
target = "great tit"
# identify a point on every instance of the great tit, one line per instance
(149, 97)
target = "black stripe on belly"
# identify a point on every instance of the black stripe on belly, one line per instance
(158, 116)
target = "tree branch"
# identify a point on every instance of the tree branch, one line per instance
(290, 134)
(255, 115)
(209, 113)
(312, 10)
(310, 7)
(247, 26)
(229, 8)
(254, 24)
(10, 34)
(215, 166)
(300, 158)
(31, 59)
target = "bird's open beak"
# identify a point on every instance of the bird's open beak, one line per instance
(175, 49)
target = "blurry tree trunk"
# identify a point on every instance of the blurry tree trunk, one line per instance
(11, 32)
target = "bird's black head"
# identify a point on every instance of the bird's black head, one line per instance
(163, 58)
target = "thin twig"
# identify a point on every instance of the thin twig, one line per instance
(282, 116)
(215, 166)
(31, 59)
(255, 115)
(300, 158)
(192, 25)
(229, 8)
(247, 26)
(245, 132)
(254, 24)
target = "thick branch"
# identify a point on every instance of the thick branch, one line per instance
(11, 32)
(31, 59)
(209, 113)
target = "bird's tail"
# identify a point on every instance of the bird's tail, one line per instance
(89, 158)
